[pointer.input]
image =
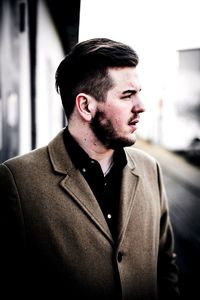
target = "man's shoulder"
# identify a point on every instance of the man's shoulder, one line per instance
(139, 156)
(28, 159)
(38, 160)
(35, 156)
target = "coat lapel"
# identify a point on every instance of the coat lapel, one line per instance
(78, 188)
(128, 191)
(75, 184)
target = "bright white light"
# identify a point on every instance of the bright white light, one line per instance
(156, 29)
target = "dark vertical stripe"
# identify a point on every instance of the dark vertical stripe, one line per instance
(32, 17)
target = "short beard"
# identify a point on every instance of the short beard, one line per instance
(104, 131)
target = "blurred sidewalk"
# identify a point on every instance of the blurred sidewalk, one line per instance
(173, 164)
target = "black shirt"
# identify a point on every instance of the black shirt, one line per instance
(105, 188)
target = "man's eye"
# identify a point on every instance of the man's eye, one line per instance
(127, 96)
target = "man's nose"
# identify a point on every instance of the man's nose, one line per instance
(138, 106)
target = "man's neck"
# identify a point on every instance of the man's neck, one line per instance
(94, 148)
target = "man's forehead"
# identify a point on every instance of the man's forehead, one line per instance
(127, 76)
(124, 72)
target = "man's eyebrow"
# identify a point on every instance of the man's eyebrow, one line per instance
(131, 91)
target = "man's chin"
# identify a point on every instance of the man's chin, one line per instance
(134, 138)
(131, 140)
(123, 142)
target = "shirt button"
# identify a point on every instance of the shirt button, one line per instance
(109, 216)
(119, 256)
(92, 161)
(84, 170)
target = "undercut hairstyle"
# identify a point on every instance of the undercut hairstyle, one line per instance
(85, 69)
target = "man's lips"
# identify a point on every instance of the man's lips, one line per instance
(133, 123)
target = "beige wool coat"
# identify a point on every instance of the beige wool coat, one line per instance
(56, 243)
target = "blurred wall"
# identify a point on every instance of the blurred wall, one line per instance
(49, 53)
(34, 37)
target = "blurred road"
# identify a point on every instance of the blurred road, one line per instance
(182, 181)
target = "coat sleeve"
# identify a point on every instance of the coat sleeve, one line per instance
(167, 268)
(11, 232)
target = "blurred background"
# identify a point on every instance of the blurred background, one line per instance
(35, 35)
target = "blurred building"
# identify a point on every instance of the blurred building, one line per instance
(168, 48)
(178, 114)
(34, 37)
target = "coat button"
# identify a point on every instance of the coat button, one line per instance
(119, 256)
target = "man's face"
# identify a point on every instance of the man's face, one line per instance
(115, 120)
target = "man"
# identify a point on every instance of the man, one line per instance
(87, 216)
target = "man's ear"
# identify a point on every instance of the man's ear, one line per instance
(85, 106)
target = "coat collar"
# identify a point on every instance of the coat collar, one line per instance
(58, 155)
(81, 192)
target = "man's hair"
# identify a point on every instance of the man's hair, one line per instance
(85, 69)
